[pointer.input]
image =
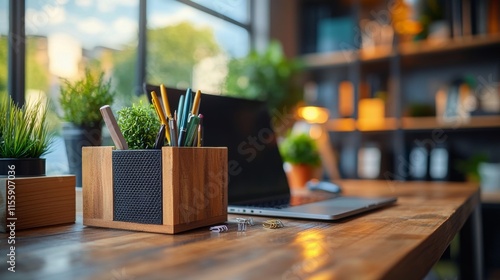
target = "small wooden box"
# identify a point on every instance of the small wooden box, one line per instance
(193, 189)
(37, 201)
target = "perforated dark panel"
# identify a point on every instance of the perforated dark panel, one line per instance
(137, 186)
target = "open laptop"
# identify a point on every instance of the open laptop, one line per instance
(257, 181)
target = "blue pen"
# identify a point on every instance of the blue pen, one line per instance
(184, 118)
(179, 111)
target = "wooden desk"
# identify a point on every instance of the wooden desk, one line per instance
(398, 242)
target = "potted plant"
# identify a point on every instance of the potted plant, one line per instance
(24, 137)
(301, 153)
(80, 101)
(268, 76)
(139, 125)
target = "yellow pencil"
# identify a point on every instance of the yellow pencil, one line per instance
(161, 115)
(196, 103)
(165, 101)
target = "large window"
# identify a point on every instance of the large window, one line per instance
(66, 37)
(4, 26)
(190, 47)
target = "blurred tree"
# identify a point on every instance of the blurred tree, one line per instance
(3, 64)
(172, 52)
(37, 77)
(268, 76)
(36, 72)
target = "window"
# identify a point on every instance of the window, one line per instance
(65, 37)
(188, 47)
(4, 26)
(235, 9)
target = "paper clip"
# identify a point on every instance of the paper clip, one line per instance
(221, 228)
(273, 224)
(242, 225)
(248, 221)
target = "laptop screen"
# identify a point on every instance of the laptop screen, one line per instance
(243, 126)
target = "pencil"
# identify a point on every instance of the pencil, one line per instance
(161, 115)
(164, 98)
(196, 104)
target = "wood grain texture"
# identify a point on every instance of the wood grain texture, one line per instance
(195, 185)
(41, 201)
(398, 242)
(194, 189)
(97, 183)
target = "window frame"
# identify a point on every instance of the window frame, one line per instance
(17, 42)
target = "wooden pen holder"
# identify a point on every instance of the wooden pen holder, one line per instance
(166, 191)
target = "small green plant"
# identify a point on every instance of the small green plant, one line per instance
(24, 130)
(470, 167)
(300, 149)
(81, 100)
(139, 125)
(268, 76)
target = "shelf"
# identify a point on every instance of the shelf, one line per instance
(336, 59)
(341, 58)
(341, 125)
(387, 124)
(490, 197)
(349, 125)
(421, 123)
(443, 46)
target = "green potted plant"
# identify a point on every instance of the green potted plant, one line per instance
(24, 137)
(139, 125)
(268, 76)
(301, 153)
(80, 102)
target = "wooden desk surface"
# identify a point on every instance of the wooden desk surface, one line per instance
(399, 242)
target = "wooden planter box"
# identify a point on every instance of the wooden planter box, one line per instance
(166, 191)
(37, 201)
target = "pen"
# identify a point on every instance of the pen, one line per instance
(114, 130)
(173, 132)
(160, 138)
(184, 117)
(179, 113)
(192, 128)
(190, 101)
(200, 131)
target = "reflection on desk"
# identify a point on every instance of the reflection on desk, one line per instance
(397, 242)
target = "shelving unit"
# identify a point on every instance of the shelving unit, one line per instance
(409, 72)
(413, 123)
(342, 58)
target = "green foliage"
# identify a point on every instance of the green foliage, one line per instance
(23, 130)
(123, 76)
(266, 76)
(300, 149)
(139, 125)
(470, 166)
(37, 76)
(3, 64)
(174, 50)
(82, 99)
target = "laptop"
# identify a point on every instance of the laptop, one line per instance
(257, 181)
